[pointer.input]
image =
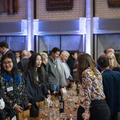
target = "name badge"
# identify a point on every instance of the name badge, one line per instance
(9, 89)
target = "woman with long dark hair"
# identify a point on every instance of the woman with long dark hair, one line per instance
(13, 86)
(93, 105)
(35, 79)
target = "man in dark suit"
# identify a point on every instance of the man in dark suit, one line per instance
(24, 60)
(111, 84)
(5, 51)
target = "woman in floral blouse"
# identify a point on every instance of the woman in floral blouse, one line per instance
(93, 106)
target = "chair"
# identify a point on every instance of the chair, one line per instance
(24, 114)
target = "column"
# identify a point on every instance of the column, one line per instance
(89, 27)
(30, 36)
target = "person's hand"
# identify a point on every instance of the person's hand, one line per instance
(2, 104)
(48, 91)
(37, 104)
(75, 70)
(29, 105)
(55, 92)
(18, 108)
(86, 115)
(68, 82)
(48, 96)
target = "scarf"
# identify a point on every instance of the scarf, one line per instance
(17, 79)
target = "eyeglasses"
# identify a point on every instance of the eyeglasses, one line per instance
(8, 62)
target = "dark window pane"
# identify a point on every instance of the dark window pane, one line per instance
(15, 43)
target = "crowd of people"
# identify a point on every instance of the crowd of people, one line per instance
(100, 83)
(28, 77)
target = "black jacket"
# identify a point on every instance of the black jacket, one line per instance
(111, 84)
(35, 93)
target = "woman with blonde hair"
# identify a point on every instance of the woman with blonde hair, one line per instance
(44, 57)
(93, 106)
(113, 64)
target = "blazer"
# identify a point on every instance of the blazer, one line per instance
(111, 85)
